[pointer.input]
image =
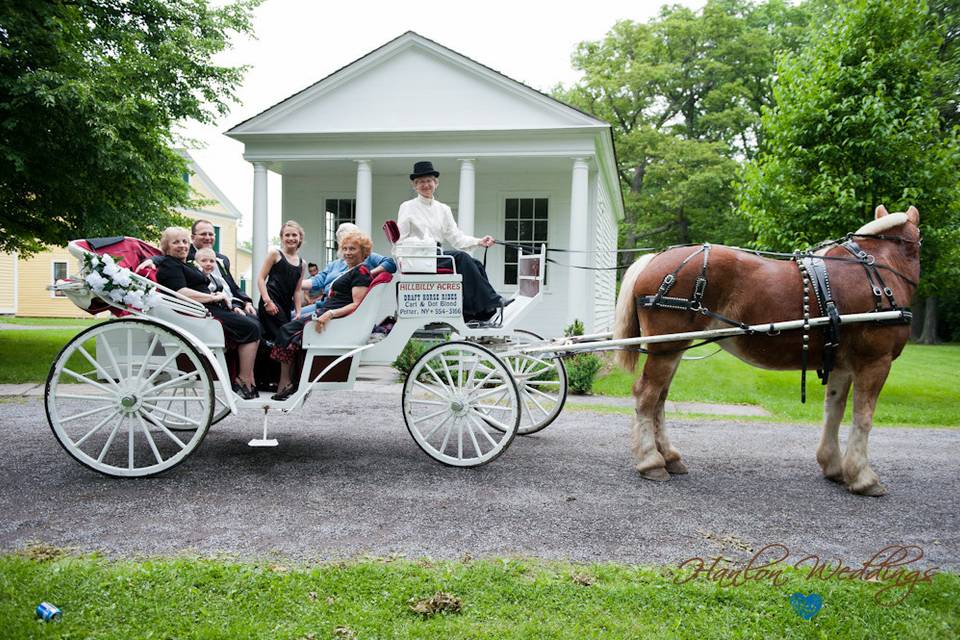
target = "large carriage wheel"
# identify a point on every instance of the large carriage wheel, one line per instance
(542, 382)
(113, 389)
(461, 404)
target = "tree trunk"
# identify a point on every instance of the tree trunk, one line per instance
(916, 323)
(929, 335)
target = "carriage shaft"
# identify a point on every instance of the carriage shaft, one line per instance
(768, 327)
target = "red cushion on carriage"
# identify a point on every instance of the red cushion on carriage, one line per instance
(392, 231)
(131, 252)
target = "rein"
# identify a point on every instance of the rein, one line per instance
(757, 252)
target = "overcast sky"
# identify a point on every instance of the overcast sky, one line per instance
(301, 41)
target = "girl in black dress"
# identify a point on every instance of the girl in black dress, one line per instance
(279, 281)
(346, 293)
(174, 273)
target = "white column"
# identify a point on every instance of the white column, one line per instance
(364, 197)
(580, 293)
(467, 203)
(260, 235)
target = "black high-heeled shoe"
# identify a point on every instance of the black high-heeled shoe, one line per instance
(245, 392)
(284, 393)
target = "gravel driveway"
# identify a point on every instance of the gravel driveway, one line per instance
(345, 482)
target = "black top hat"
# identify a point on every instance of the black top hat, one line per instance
(424, 168)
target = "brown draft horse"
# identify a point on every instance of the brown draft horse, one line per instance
(755, 290)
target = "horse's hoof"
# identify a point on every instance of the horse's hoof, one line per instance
(657, 474)
(677, 467)
(834, 477)
(873, 491)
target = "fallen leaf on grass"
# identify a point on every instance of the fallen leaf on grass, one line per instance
(583, 579)
(344, 632)
(439, 602)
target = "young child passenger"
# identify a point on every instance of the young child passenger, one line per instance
(206, 259)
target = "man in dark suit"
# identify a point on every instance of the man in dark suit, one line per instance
(203, 235)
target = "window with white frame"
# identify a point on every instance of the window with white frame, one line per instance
(525, 224)
(58, 272)
(337, 211)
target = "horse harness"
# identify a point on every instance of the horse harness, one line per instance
(813, 269)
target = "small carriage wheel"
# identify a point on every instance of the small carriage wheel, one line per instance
(542, 383)
(108, 387)
(461, 404)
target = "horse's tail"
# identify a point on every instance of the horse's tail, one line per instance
(626, 322)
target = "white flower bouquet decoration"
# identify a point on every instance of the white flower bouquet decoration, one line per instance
(116, 284)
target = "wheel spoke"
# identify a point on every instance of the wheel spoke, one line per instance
(76, 396)
(173, 382)
(495, 407)
(431, 390)
(491, 420)
(110, 417)
(489, 392)
(96, 365)
(85, 414)
(433, 374)
(430, 415)
(446, 370)
(112, 358)
(473, 439)
(163, 367)
(541, 393)
(483, 430)
(86, 380)
(130, 432)
(153, 445)
(433, 402)
(534, 401)
(540, 383)
(439, 424)
(152, 420)
(183, 399)
(446, 436)
(153, 345)
(106, 445)
(172, 414)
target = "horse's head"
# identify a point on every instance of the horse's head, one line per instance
(900, 228)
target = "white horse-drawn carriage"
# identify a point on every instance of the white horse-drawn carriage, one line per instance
(135, 395)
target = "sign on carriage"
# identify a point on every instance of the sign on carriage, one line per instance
(418, 299)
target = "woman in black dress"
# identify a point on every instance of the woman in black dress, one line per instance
(346, 293)
(174, 273)
(279, 281)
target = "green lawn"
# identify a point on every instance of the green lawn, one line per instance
(923, 387)
(61, 322)
(190, 598)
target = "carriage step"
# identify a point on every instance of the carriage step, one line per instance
(264, 441)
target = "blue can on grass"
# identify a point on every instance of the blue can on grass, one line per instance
(48, 613)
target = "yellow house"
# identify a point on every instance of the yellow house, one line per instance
(23, 282)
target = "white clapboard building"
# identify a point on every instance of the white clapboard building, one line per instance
(514, 163)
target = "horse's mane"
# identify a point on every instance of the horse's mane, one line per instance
(882, 224)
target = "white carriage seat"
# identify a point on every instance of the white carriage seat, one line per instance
(530, 271)
(353, 330)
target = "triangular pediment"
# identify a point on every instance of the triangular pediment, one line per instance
(415, 84)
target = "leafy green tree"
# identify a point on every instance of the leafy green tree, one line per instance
(89, 91)
(857, 124)
(684, 94)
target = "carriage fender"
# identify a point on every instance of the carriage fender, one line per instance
(204, 350)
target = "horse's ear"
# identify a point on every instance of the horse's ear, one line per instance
(913, 215)
(880, 212)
